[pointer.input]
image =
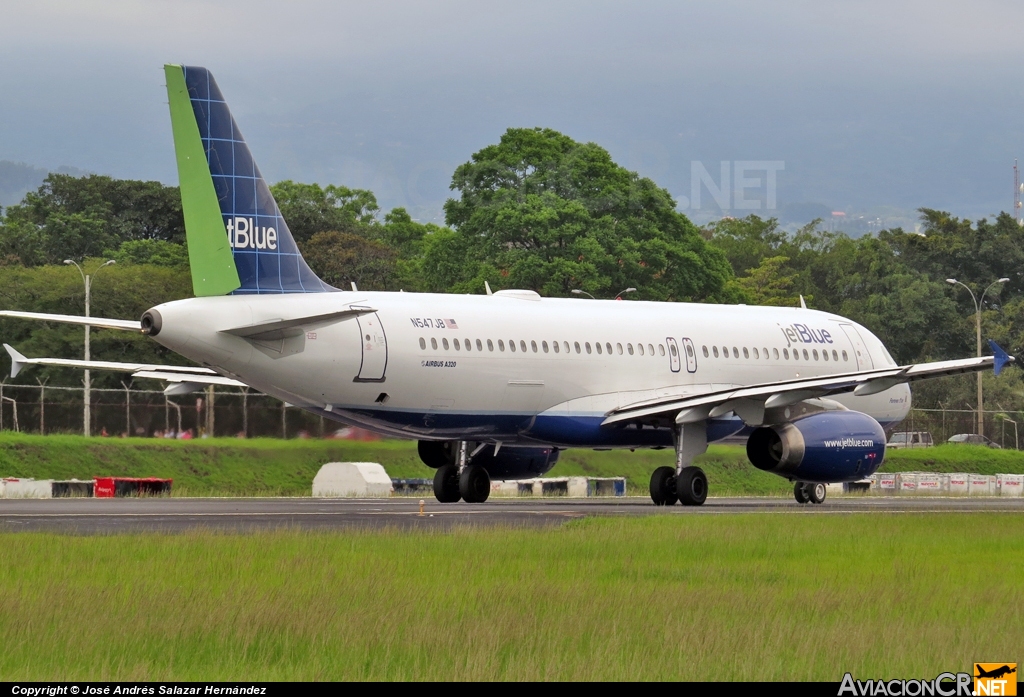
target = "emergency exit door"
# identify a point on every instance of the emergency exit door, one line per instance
(375, 348)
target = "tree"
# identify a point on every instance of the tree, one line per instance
(79, 217)
(550, 214)
(310, 208)
(342, 257)
(767, 284)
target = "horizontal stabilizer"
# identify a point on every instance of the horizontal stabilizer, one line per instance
(268, 329)
(179, 374)
(101, 322)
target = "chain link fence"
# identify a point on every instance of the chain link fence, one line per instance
(1001, 427)
(150, 414)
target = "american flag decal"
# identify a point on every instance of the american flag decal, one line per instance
(451, 323)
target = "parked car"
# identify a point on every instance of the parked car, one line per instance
(910, 439)
(973, 439)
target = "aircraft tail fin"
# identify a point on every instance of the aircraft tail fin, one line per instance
(238, 242)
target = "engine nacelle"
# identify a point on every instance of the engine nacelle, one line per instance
(830, 446)
(516, 463)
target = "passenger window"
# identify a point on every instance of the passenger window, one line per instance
(746, 353)
(456, 341)
(806, 357)
(815, 354)
(618, 347)
(661, 349)
(501, 345)
(785, 354)
(479, 346)
(824, 354)
(512, 346)
(672, 348)
(756, 354)
(689, 350)
(775, 353)
(577, 344)
(629, 349)
(650, 349)
(588, 347)
(845, 357)
(554, 345)
(705, 350)
(566, 345)
(598, 347)
(608, 347)
(735, 352)
(835, 356)
(522, 345)
(533, 345)
(444, 342)
(469, 345)
(433, 343)
(423, 343)
(490, 346)
(640, 348)
(715, 350)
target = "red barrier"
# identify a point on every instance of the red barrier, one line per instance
(109, 487)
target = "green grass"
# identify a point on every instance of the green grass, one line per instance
(725, 597)
(267, 467)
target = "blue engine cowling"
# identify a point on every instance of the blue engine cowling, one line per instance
(516, 463)
(829, 446)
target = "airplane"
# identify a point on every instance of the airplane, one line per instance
(495, 386)
(994, 673)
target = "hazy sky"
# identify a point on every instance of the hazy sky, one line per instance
(868, 104)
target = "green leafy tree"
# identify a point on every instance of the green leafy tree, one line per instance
(341, 258)
(310, 208)
(551, 214)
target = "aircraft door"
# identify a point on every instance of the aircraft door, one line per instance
(375, 348)
(691, 355)
(860, 351)
(673, 354)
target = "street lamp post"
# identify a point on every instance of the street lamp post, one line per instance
(977, 312)
(618, 296)
(87, 378)
(577, 291)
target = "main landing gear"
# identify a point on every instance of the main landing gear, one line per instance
(809, 492)
(458, 479)
(684, 482)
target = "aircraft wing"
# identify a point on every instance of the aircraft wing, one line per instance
(183, 378)
(749, 402)
(101, 322)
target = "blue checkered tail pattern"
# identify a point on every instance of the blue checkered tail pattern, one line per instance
(265, 253)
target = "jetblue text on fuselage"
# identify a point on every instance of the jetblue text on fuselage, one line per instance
(802, 334)
(243, 233)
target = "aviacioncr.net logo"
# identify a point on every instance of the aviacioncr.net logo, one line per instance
(945, 685)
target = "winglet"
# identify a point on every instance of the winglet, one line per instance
(17, 360)
(1001, 357)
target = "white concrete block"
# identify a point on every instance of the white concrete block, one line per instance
(958, 484)
(906, 482)
(981, 485)
(352, 479)
(578, 487)
(835, 489)
(929, 484)
(887, 483)
(1010, 484)
(28, 488)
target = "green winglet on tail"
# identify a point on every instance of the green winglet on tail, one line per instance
(209, 251)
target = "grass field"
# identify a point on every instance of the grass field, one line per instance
(728, 597)
(228, 466)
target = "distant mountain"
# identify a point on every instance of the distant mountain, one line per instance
(18, 178)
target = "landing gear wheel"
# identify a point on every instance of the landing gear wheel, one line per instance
(474, 484)
(800, 492)
(663, 487)
(446, 484)
(692, 486)
(816, 493)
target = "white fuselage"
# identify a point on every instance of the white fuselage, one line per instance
(477, 367)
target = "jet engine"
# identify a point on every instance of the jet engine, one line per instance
(829, 446)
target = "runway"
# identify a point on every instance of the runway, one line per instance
(175, 515)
